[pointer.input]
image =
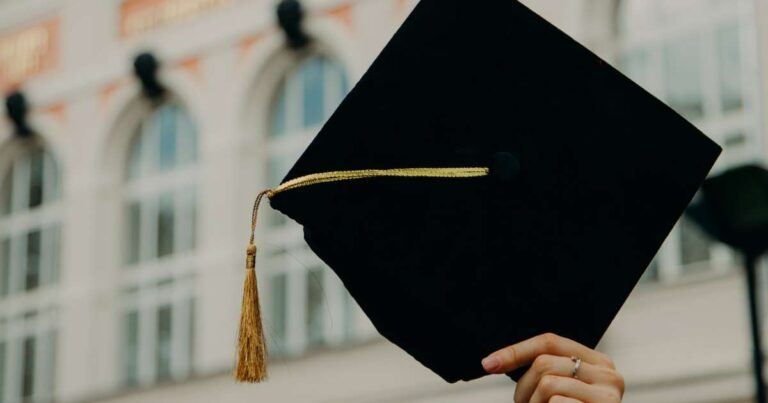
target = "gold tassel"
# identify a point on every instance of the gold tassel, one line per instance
(251, 346)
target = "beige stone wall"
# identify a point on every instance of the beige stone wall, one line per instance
(680, 342)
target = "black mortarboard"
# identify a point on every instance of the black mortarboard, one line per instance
(558, 180)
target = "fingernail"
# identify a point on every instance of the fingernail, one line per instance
(491, 363)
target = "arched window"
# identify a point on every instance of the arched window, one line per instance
(160, 198)
(29, 264)
(306, 305)
(700, 58)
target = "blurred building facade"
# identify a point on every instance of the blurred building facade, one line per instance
(122, 224)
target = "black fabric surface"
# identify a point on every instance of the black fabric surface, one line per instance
(595, 173)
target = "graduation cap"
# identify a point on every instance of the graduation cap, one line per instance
(487, 180)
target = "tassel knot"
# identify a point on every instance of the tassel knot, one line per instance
(250, 257)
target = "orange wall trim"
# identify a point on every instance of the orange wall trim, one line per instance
(191, 66)
(246, 45)
(343, 14)
(107, 93)
(58, 112)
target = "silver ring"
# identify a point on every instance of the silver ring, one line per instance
(576, 367)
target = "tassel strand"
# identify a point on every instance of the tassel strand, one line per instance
(251, 346)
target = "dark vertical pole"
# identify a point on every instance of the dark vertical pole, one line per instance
(757, 349)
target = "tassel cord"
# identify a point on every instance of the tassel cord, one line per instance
(255, 212)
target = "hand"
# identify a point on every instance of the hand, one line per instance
(549, 379)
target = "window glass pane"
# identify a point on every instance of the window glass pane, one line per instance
(164, 141)
(651, 273)
(729, 58)
(278, 114)
(336, 88)
(278, 288)
(6, 189)
(635, 65)
(167, 120)
(193, 219)
(694, 244)
(315, 307)
(682, 74)
(28, 368)
(51, 179)
(349, 316)
(734, 140)
(188, 220)
(3, 356)
(165, 222)
(277, 168)
(131, 348)
(191, 332)
(308, 96)
(35, 179)
(55, 253)
(314, 94)
(5, 266)
(49, 361)
(187, 138)
(133, 233)
(636, 15)
(163, 354)
(32, 275)
(135, 158)
(344, 82)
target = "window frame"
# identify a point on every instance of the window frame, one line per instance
(14, 332)
(30, 314)
(154, 281)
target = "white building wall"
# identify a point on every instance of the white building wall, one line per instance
(680, 342)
